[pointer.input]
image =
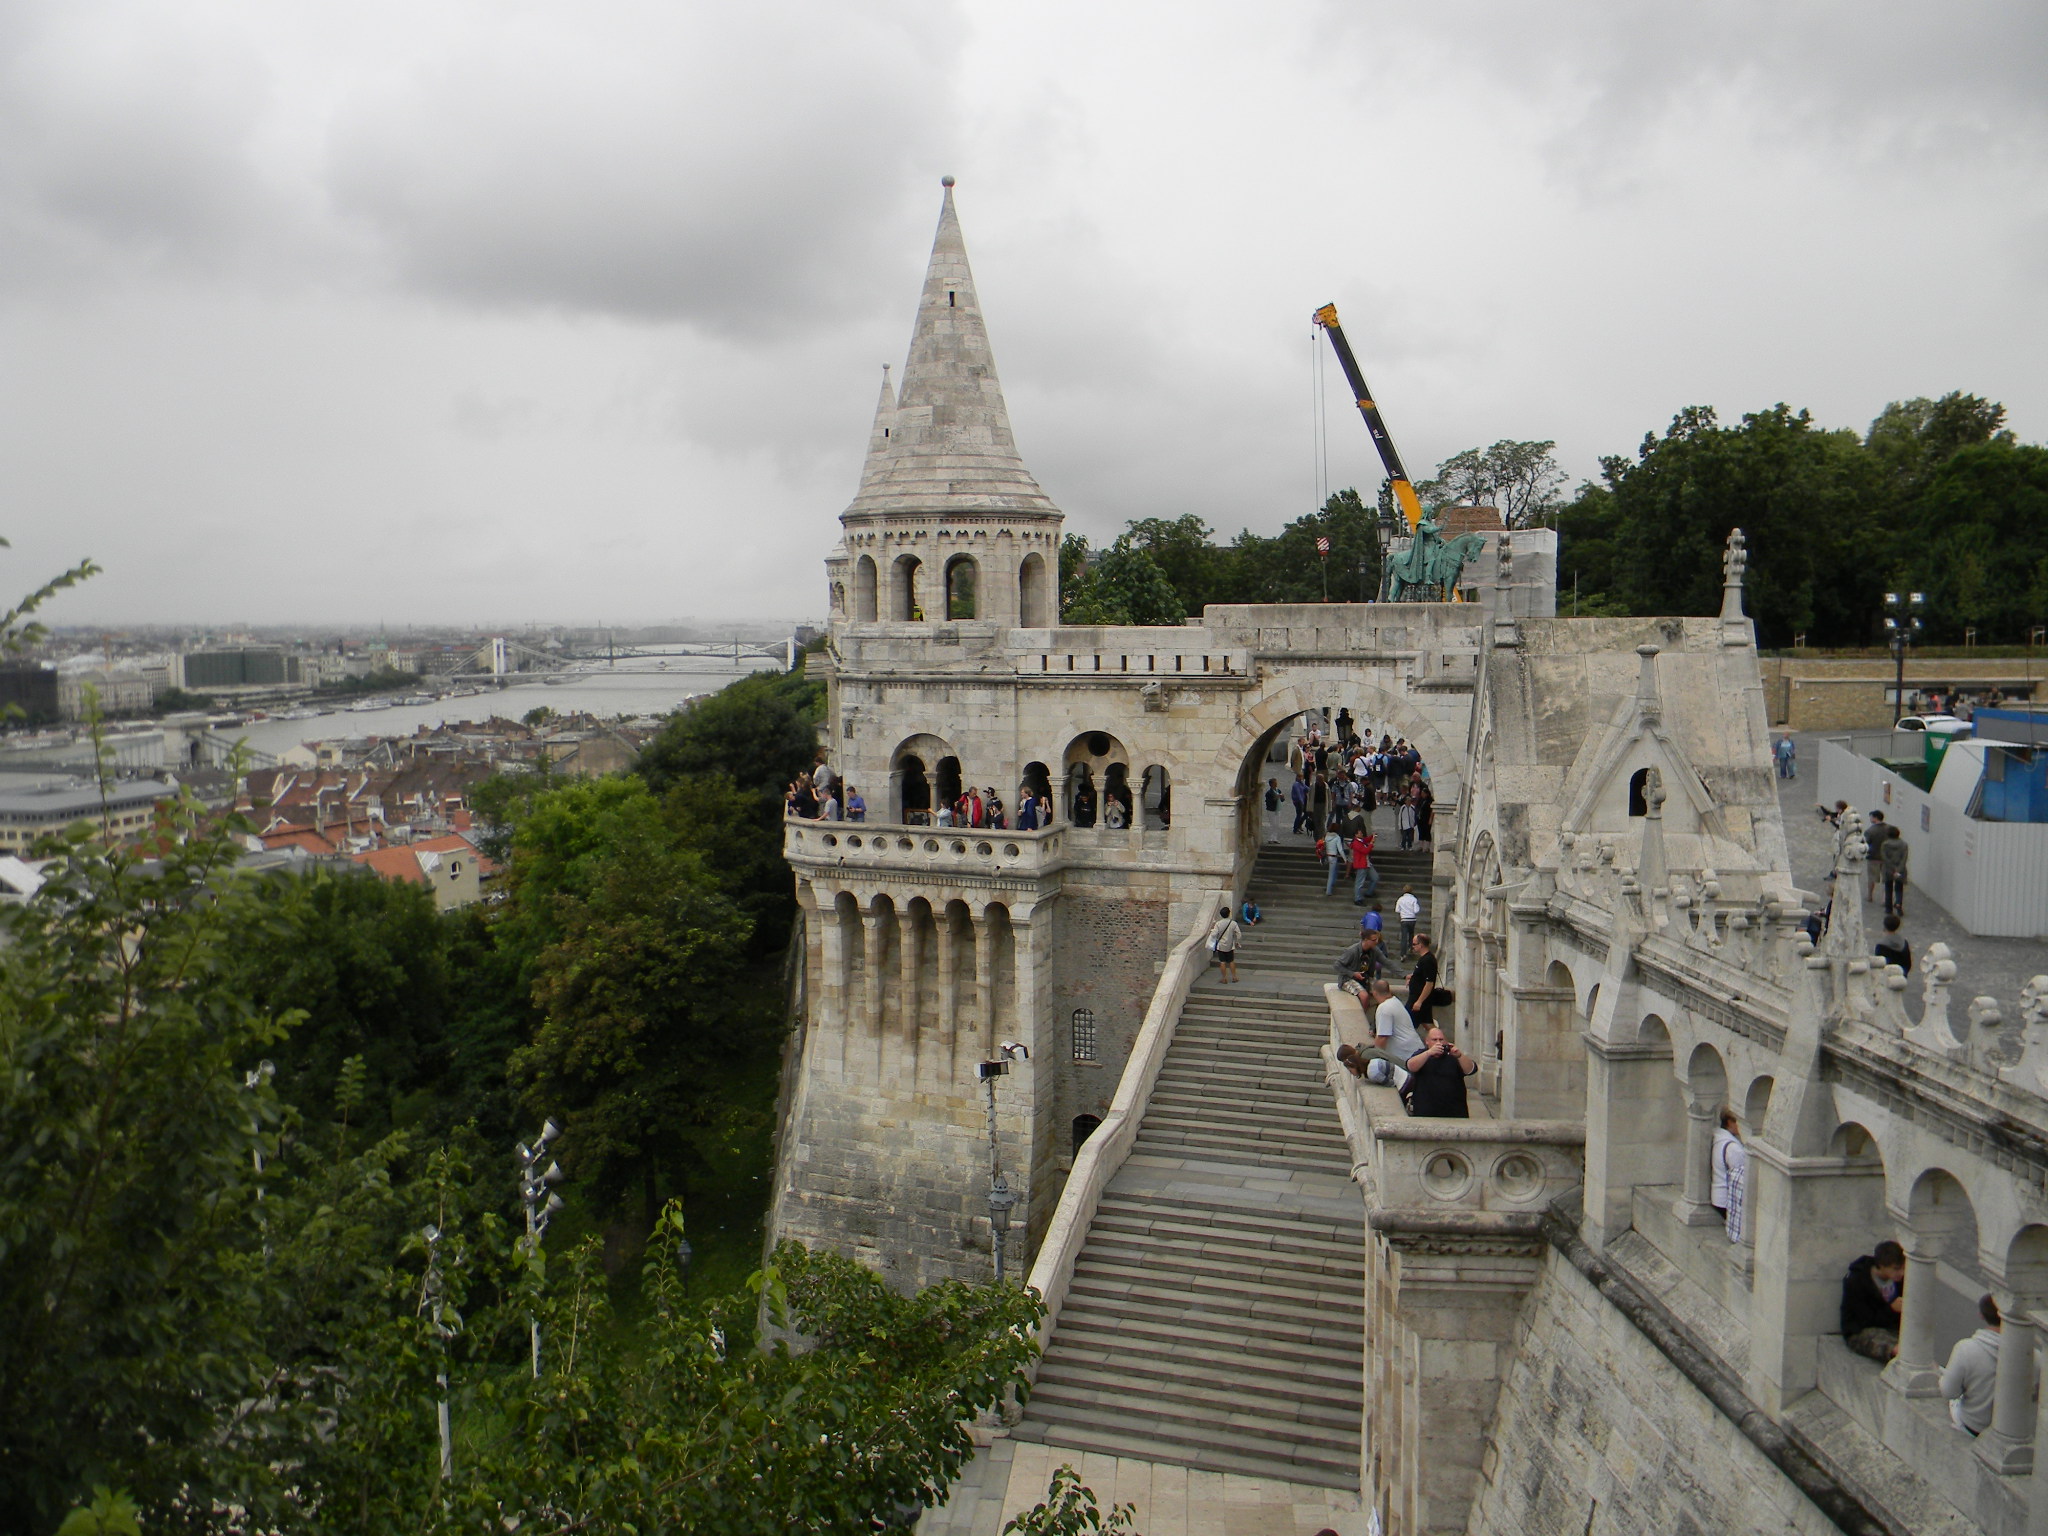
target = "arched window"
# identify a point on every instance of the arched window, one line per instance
(1034, 593)
(961, 573)
(864, 590)
(1638, 784)
(1085, 1042)
(915, 790)
(1155, 797)
(1084, 1127)
(905, 604)
(948, 785)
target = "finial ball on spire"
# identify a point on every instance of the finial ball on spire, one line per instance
(945, 181)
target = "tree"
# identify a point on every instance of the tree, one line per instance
(364, 963)
(1184, 554)
(128, 1190)
(1979, 542)
(1122, 585)
(1287, 568)
(760, 731)
(1521, 479)
(642, 1022)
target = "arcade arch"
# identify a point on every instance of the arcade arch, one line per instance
(1034, 593)
(1093, 763)
(905, 603)
(962, 583)
(864, 590)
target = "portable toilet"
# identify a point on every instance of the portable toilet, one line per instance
(1939, 735)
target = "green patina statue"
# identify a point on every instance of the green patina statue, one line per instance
(1427, 570)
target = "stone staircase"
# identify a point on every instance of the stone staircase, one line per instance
(1214, 1320)
(1303, 930)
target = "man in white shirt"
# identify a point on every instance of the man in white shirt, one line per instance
(1395, 1038)
(1971, 1380)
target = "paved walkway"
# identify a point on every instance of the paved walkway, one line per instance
(1010, 1476)
(1984, 967)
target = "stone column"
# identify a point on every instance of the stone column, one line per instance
(984, 1036)
(949, 994)
(830, 1013)
(2007, 1447)
(909, 944)
(873, 938)
(1915, 1373)
(1694, 1208)
(2037, 1502)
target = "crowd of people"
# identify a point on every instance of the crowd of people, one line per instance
(1886, 872)
(820, 795)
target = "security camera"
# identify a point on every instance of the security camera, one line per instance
(1013, 1051)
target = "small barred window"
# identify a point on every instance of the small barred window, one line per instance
(1084, 1034)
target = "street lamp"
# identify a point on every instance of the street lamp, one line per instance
(541, 1203)
(1901, 624)
(1000, 1200)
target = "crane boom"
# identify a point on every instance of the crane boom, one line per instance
(1404, 492)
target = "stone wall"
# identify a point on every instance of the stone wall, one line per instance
(1597, 1434)
(1843, 693)
(1106, 958)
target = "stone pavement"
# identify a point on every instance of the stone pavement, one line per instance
(1984, 967)
(1007, 1477)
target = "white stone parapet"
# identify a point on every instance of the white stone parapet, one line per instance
(945, 851)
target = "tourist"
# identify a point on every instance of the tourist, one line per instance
(1436, 1079)
(1730, 1160)
(1027, 812)
(1354, 969)
(1893, 948)
(1248, 914)
(828, 809)
(1408, 908)
(1971, 1380)
(1045, 809)
(1873, 1296)
(1891, 859)
(1423, 993)
(1406, 818)
(856, 807)
(1395, 1037)
(806, 798)
(1223, 938)
(1272, 796)
(1834, 817)
(1364, 878)
(995, 808)
(1788, 758)
(1084, 805)
(1336, 855)
(1425, 815)
(1373, 923)
(1299, 795)
(945, 813)
(1113, 814)
(823, 778)
(1875, 836)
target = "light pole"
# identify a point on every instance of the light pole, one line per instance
(430, 1300)
(260, 1078)
(541, 1203)
(1901, 624)
(1000, 1199)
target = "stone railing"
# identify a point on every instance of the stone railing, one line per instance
(856, 845)
(1436, 1174)
(1105, 1150)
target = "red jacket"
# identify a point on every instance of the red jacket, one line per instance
(1361, 852)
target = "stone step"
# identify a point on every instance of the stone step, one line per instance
(1301, 1114)
(1206, 1444)
(1257, 1307)
(1196, 1238)
(1176, 1208)
(1295, 1127)
(1315, 1278)
(1194, 1458)
(1230, 1157)
(1332, 1366)
(1278, 1406)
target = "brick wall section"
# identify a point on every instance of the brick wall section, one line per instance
(1846, 693)
(1106, 956)
(1598, 1434)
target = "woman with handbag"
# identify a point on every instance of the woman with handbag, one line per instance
(1223, 937)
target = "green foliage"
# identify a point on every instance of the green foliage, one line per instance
(127, 1191)
(1981, 527)
(366, 963)
(1069, 1509)
(174, 701)
(758, 731)
(1122, 585)
(1288, 568)
(1521, 479)
(383, 680)
(109, 1514)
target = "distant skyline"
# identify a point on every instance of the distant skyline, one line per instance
(435, 315)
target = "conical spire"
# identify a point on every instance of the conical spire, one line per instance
(950, 450)
(879, 437)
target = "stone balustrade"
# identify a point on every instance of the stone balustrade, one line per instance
(900, 850)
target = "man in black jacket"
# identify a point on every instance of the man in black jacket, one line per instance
(1873, 1295)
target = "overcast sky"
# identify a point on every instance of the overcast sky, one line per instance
(493, 312)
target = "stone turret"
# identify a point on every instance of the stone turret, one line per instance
(948, 525)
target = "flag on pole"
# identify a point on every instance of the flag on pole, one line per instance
(1322, 546)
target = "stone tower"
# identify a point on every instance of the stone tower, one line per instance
(948, 525)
